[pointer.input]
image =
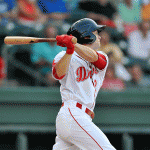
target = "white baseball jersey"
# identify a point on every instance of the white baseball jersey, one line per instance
(82, 81)
(74, 128)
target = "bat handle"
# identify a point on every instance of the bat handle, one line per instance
(74, 40)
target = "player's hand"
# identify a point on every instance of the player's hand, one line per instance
(65, 41)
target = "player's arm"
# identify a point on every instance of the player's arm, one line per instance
(99, 60)
(86, 52)
(60, 69)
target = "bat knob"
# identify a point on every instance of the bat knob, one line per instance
(74, 40)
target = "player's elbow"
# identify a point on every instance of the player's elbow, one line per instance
(58, 74)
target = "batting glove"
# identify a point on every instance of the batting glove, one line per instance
(65, 41)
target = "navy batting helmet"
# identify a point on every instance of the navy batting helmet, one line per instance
(84, 28)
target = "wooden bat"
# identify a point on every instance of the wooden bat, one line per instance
(19, 40)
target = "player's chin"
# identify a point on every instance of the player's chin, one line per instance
(97, 46)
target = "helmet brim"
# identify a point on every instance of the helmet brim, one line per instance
(100, 28)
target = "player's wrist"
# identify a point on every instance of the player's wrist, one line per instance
(70, 51)
(66, 41)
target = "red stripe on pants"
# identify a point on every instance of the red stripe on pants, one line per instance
(83, 128)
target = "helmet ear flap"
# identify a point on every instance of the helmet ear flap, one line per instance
(89, 38)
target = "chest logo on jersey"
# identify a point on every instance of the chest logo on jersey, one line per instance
(83, 74)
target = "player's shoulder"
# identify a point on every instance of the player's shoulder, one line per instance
(61, 53)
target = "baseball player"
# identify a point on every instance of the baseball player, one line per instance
(80, 70)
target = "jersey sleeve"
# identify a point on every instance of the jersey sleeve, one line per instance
(55, 61)
(102, 61)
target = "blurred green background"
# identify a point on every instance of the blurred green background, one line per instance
(27, 117)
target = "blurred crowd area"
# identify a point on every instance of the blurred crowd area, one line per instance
(126, 40)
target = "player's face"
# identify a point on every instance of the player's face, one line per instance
(105, 37)
(96, 44)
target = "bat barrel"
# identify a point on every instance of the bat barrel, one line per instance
(16, 40)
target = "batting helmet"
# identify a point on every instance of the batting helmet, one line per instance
(84, 28)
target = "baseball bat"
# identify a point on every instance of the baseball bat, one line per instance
(19, 40)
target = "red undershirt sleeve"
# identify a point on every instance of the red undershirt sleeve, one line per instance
(101, 62)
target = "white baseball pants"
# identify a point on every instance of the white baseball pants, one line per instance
(76, 131)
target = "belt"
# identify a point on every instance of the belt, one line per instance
(88, 111)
